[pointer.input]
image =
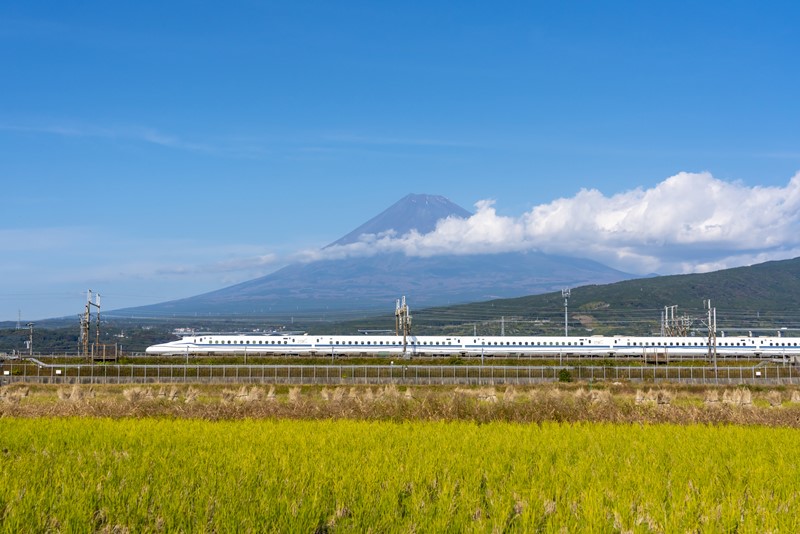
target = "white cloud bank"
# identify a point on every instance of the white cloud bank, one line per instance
(690, 222)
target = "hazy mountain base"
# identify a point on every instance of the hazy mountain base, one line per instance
(333, 287)
(564, 403)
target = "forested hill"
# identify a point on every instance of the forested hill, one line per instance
(755, 297)
(772, 286)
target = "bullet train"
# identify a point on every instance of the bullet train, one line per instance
(357, 345)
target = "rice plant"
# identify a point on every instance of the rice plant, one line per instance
(159, 474)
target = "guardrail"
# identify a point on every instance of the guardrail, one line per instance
(35, 371)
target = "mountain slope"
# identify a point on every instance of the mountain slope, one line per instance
(374, 283)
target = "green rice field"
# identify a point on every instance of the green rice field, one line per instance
(83, 474)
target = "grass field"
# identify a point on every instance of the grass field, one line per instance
(157, 474)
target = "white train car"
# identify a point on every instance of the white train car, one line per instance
(302, 344)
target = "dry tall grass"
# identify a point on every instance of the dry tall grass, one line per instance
(484, 404)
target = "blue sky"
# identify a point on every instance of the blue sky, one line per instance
(155, 150)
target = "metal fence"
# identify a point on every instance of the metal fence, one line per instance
(12, 371)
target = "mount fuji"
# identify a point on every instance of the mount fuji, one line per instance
(372, 283)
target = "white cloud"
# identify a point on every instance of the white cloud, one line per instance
(689, 222)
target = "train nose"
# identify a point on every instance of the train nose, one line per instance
(156, 349)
